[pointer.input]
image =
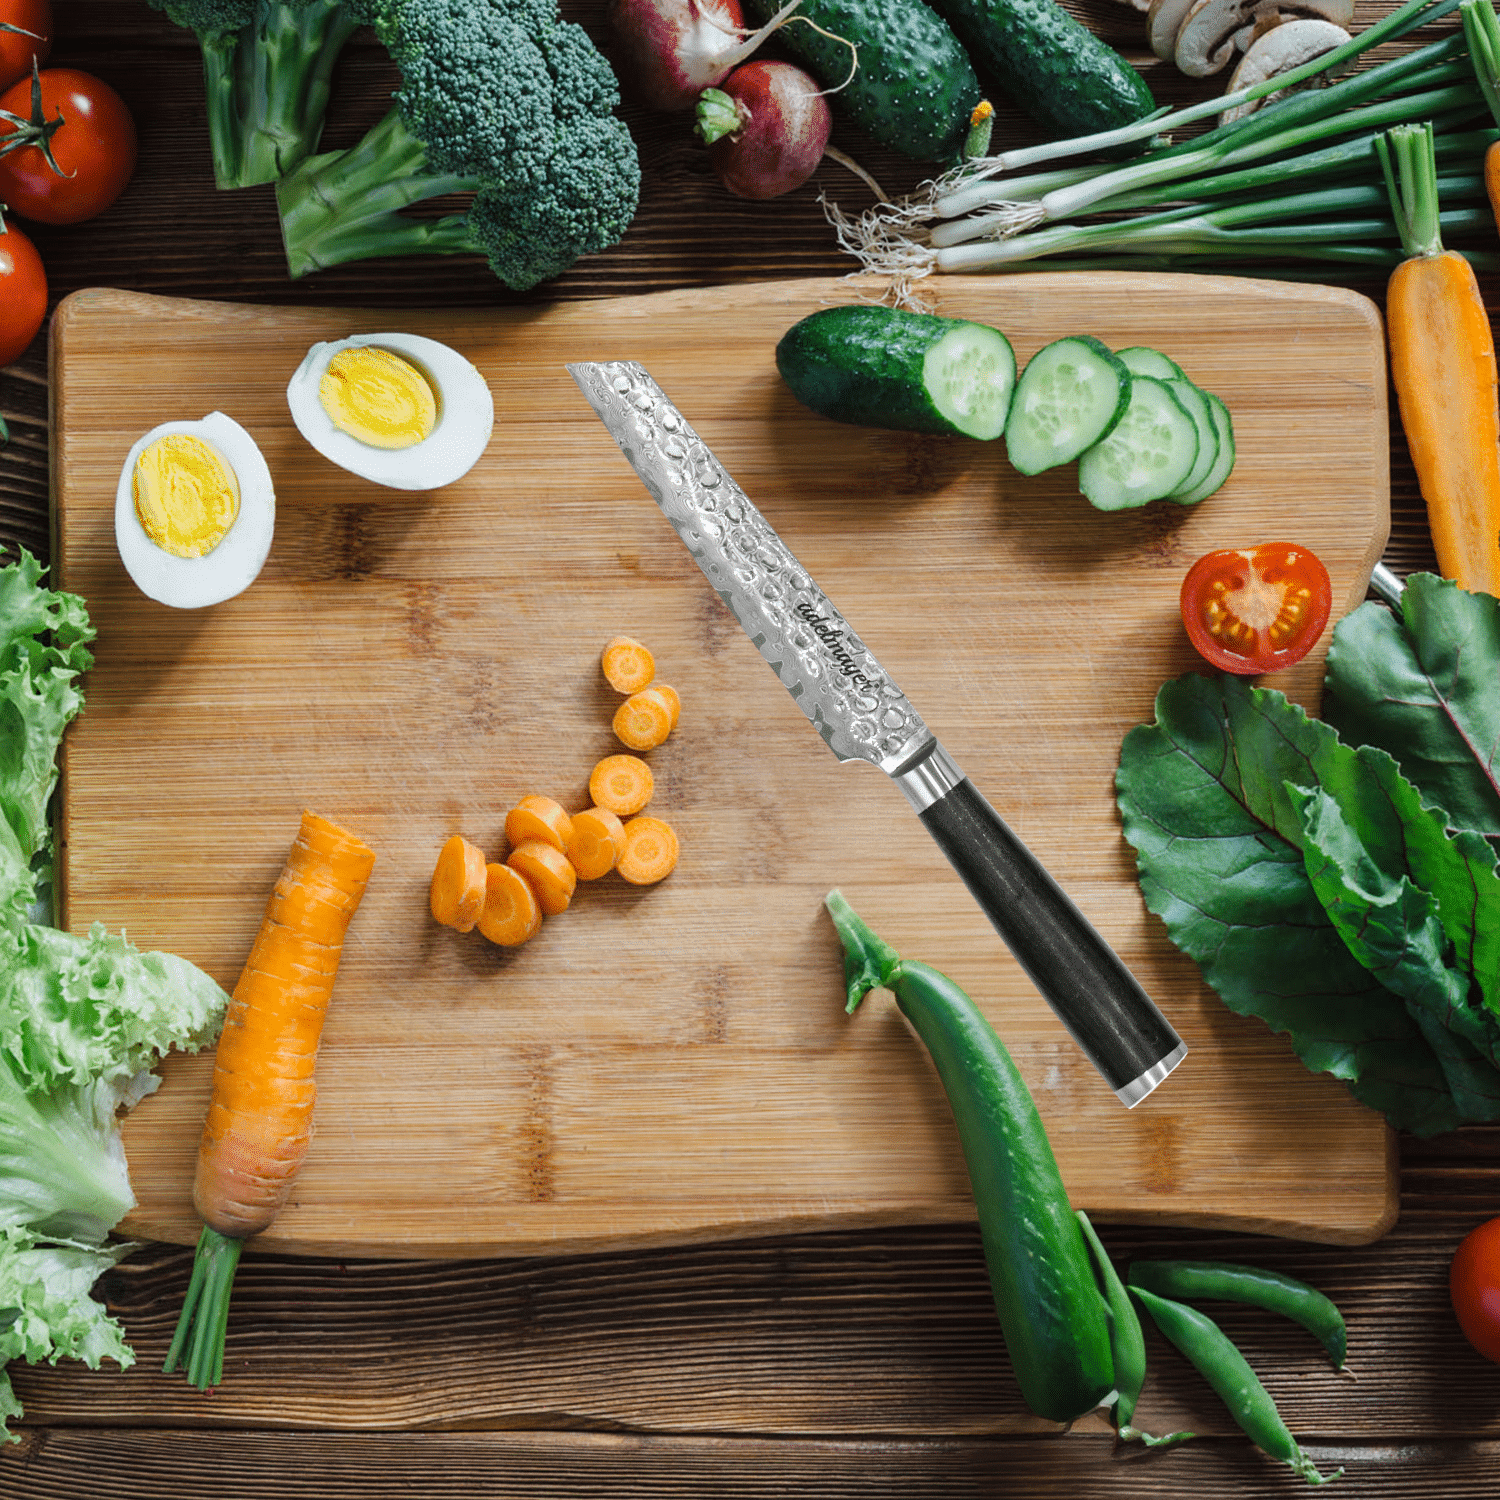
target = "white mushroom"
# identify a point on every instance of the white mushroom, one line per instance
(1205, 40)
(1278, 51)
(1164, 20)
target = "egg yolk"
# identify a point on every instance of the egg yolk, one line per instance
(186, 494)
(378, 398)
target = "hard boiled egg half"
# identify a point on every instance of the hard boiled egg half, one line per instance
(194, 511)
(395, 408)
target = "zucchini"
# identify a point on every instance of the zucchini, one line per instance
(1070, 396)
(878, 366)
(1049, 64)
(1052, 1314)
(914, 88)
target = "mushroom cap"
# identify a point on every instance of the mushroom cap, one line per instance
(1278, 51)
(1164, 20)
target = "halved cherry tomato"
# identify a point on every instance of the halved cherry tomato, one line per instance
(1256, 610)
(87, 130)
(1474, 1286)
(25, 32)
(23, 294)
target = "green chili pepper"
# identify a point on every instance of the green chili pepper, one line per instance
(1052, 1314)
(1221, 1281)
(1211, 1352)
(1127, 1344)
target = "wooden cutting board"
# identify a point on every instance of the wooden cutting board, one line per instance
(674, 1063)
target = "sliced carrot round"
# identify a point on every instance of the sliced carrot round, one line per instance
(621, 783)
(535, 817)
(458, 884)
(512, 911)
(651, 851)
(628, 665)
(597, 842)
(674, 702)
(644, 719)
(551, 875)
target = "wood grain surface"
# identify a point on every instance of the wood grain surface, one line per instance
(674, 1063)
(850, 1362)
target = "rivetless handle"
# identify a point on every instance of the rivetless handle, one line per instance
(1080, 976)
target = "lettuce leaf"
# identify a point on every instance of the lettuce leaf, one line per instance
(1326, 883)
(83, 1018)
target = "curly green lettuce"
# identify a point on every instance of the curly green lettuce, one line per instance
(83, 1018)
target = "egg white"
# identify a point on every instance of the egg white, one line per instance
(196, 582)
(465, 415)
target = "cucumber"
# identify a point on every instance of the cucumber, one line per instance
(1147, 456)
(1049, 64)
(1140, 360)
(1195, 403)
(914, 88)
(885, 367)
(1071, 394)
(1223, 461)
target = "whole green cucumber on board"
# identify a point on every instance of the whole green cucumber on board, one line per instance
(914, 87)
(1049, 64)
(876, 366)
(1052, 1313)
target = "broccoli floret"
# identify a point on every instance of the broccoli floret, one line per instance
(500, 99)
(267, 68)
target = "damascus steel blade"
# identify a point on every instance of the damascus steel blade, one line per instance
(830, 673)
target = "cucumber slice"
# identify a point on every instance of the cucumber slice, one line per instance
(913, 372)
(1147, 456)
(1223, 462)
(1140, 360)
(1070, 395)
(1195, 403)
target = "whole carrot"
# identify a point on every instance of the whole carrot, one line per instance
(1443, 368)
(259, 1119)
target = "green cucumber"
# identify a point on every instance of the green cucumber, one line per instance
(1195, 403)
(1070, 395)
(1223, 461)
(914, 88)
(1147, 456)
(1141, 360)
(879, 366)
(1049, 64)
(1052, 1314)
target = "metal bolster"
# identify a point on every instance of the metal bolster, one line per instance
(1137, 1089)
(927, 776)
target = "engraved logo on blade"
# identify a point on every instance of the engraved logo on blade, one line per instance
(826, 668)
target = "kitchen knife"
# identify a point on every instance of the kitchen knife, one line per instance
(852, 702)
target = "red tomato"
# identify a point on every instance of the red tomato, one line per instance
(1474, 1285)
(1256, 610)
(93, 147)
(23, 294)
(25, 32)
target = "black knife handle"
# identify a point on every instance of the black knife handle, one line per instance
(1080, 976)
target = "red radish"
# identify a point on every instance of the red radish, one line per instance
(672, 50)
(766, 129)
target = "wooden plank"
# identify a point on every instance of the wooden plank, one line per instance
(673, 1064)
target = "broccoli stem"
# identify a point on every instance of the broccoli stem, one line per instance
(268, 87)
(346, 205)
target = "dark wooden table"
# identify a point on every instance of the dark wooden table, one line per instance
(837, 1364)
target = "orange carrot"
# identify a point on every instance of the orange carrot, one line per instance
(650, 851)
(551, 875)
(674, 703)
(628, 665)
(512, 913)
(259, 1119)
(597, 842)
(1443, 369)
(621, 783)
(541, 818)
(457, 895)
(644, 720)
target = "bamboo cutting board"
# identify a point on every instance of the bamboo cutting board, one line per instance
(673, 1063)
